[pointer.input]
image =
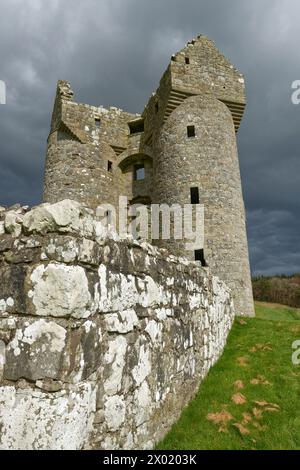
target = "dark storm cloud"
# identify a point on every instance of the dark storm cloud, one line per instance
(114, 51)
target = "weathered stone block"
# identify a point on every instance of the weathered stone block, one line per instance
(84, 352)
(57, 290)
(12, 288)
(33, 420)
(35, 351)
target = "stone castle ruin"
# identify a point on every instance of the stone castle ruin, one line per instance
(104, 340)
(181, 150)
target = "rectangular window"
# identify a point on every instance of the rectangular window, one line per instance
(187, 60)
(137, 126)
(199, 256)
(156, 107)
(97, 122)
(191, 131)
(139, 172)
(109, 166)
(195, 196)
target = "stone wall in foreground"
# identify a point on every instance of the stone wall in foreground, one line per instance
(102, 341)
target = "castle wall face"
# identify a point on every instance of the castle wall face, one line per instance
(102, 342)
(207, 161)
(81, 161)
(77, 171)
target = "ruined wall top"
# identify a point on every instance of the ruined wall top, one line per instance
(196, 69)
(200, 67)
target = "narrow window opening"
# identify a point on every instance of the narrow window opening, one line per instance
(108, 216)
(195, 196)
(139, 172)
(156, 107)
(187, 60)
(191, 131)
(109, 166)
(199, 256)
(97, 122)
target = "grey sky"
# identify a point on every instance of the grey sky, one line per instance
(114, 51)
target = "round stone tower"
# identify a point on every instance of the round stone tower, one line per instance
(197, 162)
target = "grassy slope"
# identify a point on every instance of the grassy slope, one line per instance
(256, 347)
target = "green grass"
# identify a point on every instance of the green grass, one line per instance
(276, 312)
(265, 345)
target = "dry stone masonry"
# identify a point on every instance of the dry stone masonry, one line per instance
(102, 341)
